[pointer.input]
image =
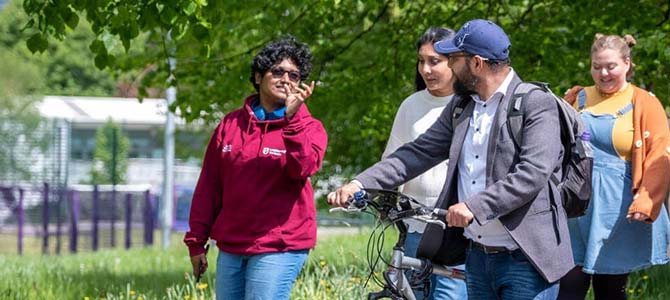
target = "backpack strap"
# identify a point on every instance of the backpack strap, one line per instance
(581, 97)
(460, 107)
(515, 108)
(515, 113)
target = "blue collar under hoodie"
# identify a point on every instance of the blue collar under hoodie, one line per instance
(263, 115)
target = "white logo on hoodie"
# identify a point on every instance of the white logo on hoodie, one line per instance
(275, 152)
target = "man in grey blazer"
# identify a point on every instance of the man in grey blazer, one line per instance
(496, 193)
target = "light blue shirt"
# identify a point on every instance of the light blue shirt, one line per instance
(472, 166)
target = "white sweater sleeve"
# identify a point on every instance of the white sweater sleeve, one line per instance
(398, 135)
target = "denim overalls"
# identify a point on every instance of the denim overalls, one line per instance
(603, 240)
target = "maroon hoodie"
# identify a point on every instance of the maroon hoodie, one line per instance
(254, 194)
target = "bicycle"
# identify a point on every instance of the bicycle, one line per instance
(390, 208)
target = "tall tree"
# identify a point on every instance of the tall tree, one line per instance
(110, 157)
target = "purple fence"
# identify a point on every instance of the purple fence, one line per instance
(46, 219)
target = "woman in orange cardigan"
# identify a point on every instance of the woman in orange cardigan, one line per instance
(626, 226)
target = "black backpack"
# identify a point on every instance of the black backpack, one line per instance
(575, 186)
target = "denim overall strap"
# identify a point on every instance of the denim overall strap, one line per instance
(624, 110)
(601, 126)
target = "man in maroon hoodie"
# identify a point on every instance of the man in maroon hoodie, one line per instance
(254, 196)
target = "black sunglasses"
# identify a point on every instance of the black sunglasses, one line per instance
(279, 73)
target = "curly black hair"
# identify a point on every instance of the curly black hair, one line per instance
(278, 50)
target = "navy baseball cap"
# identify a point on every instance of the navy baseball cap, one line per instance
(477, 37)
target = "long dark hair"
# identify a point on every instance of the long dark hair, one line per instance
(432, 35)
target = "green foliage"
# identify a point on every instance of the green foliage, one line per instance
(62, 68)
(364, 50)
(110, 158)
(113, 21)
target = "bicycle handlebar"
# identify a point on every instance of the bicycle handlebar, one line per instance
(440, 213)
(394, 206)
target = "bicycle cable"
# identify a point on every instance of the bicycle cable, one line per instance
(370, 252)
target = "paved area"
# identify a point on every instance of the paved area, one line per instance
(332, 230)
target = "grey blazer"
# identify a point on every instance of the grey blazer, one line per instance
(517, 188)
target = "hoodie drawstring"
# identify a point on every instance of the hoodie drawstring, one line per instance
(263, 133)
(251, 120)
(248, 132)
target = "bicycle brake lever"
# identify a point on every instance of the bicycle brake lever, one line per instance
(349, 209)
(430, 221)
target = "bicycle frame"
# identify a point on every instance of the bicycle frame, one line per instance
(397, 284)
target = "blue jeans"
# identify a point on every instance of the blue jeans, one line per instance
(506, 276)
(267, 276)
(441, 288)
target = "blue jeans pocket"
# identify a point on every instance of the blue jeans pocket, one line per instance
(519, 258)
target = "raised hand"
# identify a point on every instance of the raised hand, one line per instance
(296, 96)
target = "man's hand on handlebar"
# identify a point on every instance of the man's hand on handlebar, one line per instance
(340, 196)
(459, 215)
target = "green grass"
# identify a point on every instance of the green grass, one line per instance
(336, 269)
(148, 271)
(650, 284)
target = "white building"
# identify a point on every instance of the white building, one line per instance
(143, 123)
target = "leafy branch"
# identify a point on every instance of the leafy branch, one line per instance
(339, 50)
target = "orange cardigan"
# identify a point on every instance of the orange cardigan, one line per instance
(651, 152)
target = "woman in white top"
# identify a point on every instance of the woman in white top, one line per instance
(434, 89)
